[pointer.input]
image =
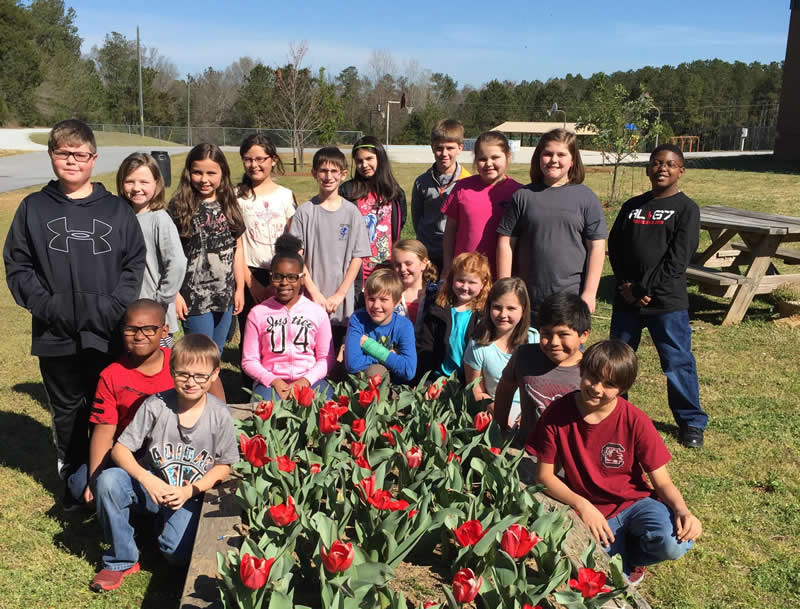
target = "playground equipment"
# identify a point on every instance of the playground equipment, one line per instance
(684, 141)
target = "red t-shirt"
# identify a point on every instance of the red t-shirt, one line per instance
(122, 388)
(478, 209)
(603, 462)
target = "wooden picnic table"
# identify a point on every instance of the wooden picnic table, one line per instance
(762, 236)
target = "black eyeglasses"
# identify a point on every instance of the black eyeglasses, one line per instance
(290, 277)
(81, 157)
(146, 330)
(197, 377)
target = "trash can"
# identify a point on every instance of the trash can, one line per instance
(162, 158)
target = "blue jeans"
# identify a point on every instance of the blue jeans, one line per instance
(672, 336)
(268, 393)
(77, 481)
(116, 494)
(212, 324)
(644, 534)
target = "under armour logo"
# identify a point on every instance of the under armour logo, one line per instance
(60, 242)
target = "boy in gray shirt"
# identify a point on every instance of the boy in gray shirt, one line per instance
(334, 240)
(188, 444)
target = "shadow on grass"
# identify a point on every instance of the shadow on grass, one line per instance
(667, 428)
(34, 390)
(712, 310)
(26, 445)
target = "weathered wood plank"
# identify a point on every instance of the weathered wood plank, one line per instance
(787, 254)
(789, 224)
(711, 276)
(762, 249)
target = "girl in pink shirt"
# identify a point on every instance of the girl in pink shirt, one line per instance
(287, 339)
(476, 204)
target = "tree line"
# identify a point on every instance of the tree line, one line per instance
(45, 78)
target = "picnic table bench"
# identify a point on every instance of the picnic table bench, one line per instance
(762, 236)
(220, 517)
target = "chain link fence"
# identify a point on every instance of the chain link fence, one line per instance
(225, 136)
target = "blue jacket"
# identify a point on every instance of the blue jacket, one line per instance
(397, 335)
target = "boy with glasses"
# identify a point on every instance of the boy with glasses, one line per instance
(74, 258)
(650, 247)
(188, 444)
(123, 386)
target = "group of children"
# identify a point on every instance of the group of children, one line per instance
(331, 284)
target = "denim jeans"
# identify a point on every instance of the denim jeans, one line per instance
(77, 481)
(644, 534)
(212, 324)
(268, 393)
(672, 337)
(117, 494)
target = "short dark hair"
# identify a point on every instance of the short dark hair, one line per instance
(147, 304)
(564, 309)
(669, 147)
(71, 132)
(329, 154)
(612, 362)
(194, 348)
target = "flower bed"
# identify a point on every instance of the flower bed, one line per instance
(337, 494)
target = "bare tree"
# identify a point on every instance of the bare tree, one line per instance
(300, 100)
(380, 64)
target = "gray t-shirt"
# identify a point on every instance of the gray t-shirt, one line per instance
(551, 225)
(165, 264)
(331, 239)
(181, 455)
(540, 381)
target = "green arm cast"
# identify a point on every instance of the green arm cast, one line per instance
(375, 349)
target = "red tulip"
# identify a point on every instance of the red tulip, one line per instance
(469, 533)
(365, 396)
(316, 468)
(466, 586)
(442, 430)
(362, 463)
(264, 409)
(367, 486)
(589, 582)
(481, 420)
(375, 381)
(494, 450)
(339, 558)
(285, 464)
(254, 571)
(357, 449)
(412, 513)
(284, 513)
(429, 604)
(344, 401)
(389, 435)
(527, 606)
(304, 395)
(328, 421)
(254, 449)
(517, 541)
(380, 499)
(433, 392)
(414, 457)
(452, 456)
(358, 426)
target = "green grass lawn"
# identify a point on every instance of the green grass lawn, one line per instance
(112, 138)
(744, 485)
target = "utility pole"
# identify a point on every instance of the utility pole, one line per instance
(188, 109)
(141, 100)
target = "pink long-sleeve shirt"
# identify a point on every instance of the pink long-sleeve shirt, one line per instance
(288, 344)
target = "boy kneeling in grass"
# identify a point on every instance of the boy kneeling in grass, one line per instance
(606, 445)
(378, 339)
(189, 445)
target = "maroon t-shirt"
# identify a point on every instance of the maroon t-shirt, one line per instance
(603, 462)
(121, 390)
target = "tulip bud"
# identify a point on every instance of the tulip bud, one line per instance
(466, 586)
(339, 558)
(414, 457)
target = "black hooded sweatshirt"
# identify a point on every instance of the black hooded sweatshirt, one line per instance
(75, 264)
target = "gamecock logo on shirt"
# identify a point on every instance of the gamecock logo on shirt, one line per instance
(613, 455)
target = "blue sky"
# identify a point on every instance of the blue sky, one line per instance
(473, 41)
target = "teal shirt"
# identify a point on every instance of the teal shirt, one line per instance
(453, 359)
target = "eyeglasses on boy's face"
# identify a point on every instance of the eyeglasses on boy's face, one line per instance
(145, 330)
(197, 377)
(290, 277)
(656, 164)
(80, 156)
